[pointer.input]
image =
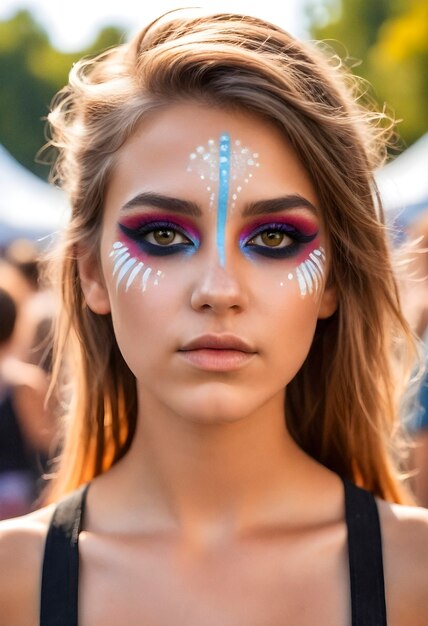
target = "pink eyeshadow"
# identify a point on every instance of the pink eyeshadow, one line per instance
(134, 249)
(305, 226)
(136, 221)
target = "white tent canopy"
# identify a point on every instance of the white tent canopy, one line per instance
(403, 183)
(29, 207)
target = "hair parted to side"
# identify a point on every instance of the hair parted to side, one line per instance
(343, 405)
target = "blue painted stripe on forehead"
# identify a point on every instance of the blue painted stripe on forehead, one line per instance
(223, 193)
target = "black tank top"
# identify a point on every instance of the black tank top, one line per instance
(60, 576)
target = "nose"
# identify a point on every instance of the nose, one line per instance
(218, 290)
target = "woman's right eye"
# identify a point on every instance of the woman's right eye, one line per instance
(166, 237)
(159, 239)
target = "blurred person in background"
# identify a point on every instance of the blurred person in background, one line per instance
(415, 302)
(21, 274)
(22, 392)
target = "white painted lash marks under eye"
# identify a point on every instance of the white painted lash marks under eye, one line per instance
(124, 264)
(310, 273)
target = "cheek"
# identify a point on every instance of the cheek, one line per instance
(302, 275)
(291, 312)
(139, 322)
(129, 266)
(293, 321)
(141, 310)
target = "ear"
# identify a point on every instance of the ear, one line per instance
(92, 281)
(329, 302)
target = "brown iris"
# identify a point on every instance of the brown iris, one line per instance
(272, 238)
(163, 236)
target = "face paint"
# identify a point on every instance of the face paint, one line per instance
(310, 273)
(139, 230)
(126, 265)
(132, 259)
(225, 167)
(288, 238)
(223, 194)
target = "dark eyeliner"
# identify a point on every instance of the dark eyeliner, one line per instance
(298, 239)
(137, 235)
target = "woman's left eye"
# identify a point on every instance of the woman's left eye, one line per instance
(272, 239)
(276, 240)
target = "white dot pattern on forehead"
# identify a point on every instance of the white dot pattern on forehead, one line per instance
(124, 265)
(204, 161)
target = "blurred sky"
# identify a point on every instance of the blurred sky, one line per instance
(72, 25)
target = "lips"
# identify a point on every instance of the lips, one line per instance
(218, 342)
(217, 353)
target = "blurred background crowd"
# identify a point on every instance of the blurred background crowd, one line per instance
(385, 42)
(27, 421)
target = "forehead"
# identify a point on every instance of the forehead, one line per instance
(161, 152)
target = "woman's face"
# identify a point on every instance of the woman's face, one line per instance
(214, 260)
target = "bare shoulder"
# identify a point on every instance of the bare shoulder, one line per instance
(22, 542)
(405, 549)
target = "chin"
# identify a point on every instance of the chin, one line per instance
(212, 418)
(217, 407)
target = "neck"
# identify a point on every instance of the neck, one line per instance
(198, 472)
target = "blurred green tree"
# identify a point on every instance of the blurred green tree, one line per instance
(31, 72)
(386, 42)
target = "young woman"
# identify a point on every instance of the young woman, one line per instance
(236, 349)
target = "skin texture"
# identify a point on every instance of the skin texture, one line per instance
(197, 294)
(215, 516)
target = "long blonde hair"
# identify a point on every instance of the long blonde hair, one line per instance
(343, 405)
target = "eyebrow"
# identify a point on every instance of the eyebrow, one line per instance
(159, 201)
(274, 205)
(187, 207)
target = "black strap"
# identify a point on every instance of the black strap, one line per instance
(365, 557)
(60, 574)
